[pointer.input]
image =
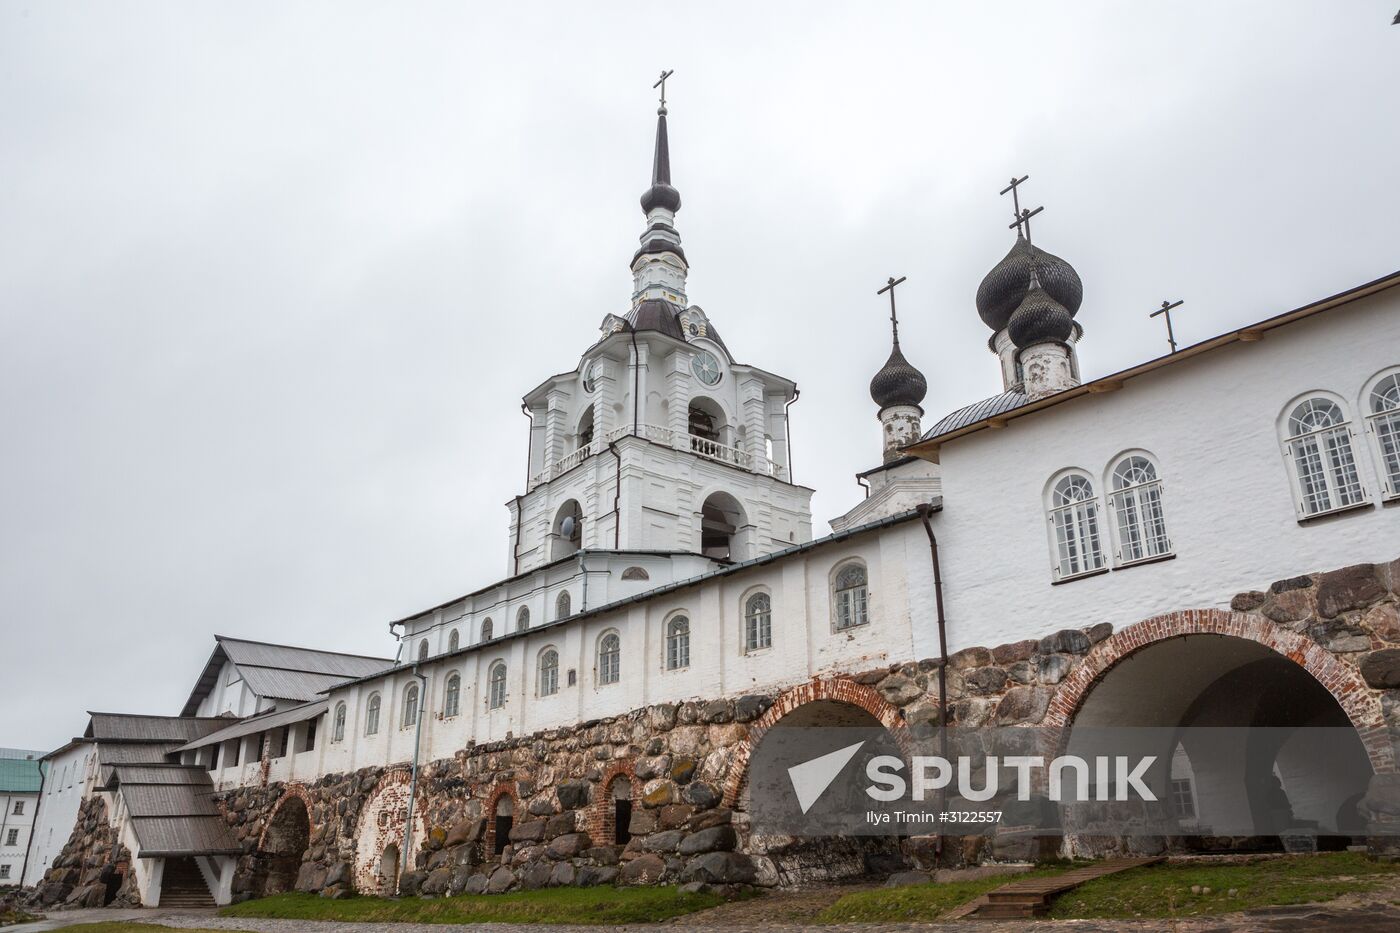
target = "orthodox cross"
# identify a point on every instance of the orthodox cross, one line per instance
(1166, 311)
(661, 83)
(1020, 216)
(894, 319)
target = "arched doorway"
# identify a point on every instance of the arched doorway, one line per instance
(1252, 752)
(388, 869)
(620, 799)
(283, 843)
(811, 721)
(721, 518)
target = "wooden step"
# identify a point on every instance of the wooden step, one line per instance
(1031, 896)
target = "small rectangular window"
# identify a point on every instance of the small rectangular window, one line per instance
(573, 677)
(12, 838)
(309, 742)
(4, 871)
(19, 807)
(282, 741)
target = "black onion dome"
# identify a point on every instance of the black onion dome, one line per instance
(1002, 291)
(661, 196)
(898, 383)
(1039, 319)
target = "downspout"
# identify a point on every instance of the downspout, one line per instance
(583, 570)
(925, 510)
(515, 551)
(413, 777)
(863, 483)
(529, 448)
(33, 824)
(636, 380)
(787, 430)
(617, 498)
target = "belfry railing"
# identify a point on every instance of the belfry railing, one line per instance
(705, 447)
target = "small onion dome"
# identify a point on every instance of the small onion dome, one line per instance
(661, 195)
(1039, 319)
(898, 383)
(1002, 291)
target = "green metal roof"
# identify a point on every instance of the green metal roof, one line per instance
(19, 776)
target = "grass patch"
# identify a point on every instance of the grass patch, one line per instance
(119, 926)
(600, 905)
(919, 901)
(1165, 890)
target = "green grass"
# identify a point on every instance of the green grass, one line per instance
(600, 905)
(919, 901)
(1165, 890)
(118, 926)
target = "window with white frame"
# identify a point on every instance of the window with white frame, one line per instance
(1139, 520)
(423, 650)
(609, 659)
(547, 681)
(496, 690)
(338, 724)
(563, 606)
(4, 871)
(758, 622)
(454, 641)
(852, 597)
(522, 619)
(678, 643)
(410, 706)
(487, 629)
(372, 715)
(12, 837)
(1074, 518)
(452, 696)
(1318, 444)
(1383, 418)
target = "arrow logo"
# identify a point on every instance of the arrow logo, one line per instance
(811, 778)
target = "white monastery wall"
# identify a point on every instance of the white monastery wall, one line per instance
(17, 812)
(66, 784)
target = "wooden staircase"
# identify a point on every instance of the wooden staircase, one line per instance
(1031, 897)
(182, 885)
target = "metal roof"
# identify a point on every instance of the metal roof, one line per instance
(288, 657)
(122, 727)
(169, 800)
(19, 776)
(280, 672)
(172, 810)
(260, 724)
(274, 684)
(154, 773)
(968, 414)
(176, 836)
(111, 755)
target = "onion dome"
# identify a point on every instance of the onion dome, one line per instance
(661, 194)
(898, 382)
(1039, 318)
(1003, 290)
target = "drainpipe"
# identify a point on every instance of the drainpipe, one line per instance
(925, 510)
(529, 448)
(787, 430)
(863, 483)
(33, 823)
(617, 498)
(413, 777)
(515, 552)
(636, 380)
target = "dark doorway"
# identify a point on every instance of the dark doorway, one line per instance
(505, 810)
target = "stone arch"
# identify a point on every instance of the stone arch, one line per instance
(1342, 681)
(380, 825)
(602, 811)
(283, 841)
(493, 801)
(838, 689)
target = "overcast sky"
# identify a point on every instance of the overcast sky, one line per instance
(274, 276)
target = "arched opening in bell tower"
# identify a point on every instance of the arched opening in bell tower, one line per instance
(567, 533)
(721, 517)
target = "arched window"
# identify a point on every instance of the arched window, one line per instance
(372, 715)
(1074, 516)
(563, 607)
(410, 705)
(758, 621)
(522, 619)
(852, 597)
(423, 650)
(636, 573)
(568, 530)
(1137, 510)
(677, 643)
(338, 724)
(609, 659)
(452, 696)
(1319, 448)
(1383, 407)
(547, 683)
(487, 628)
(496, 694)
(453, 641)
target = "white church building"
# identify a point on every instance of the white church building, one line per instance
(1169, 544)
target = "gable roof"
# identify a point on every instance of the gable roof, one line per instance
(19, 776)
(280, 672)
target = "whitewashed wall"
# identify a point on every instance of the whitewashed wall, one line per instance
(1212, 425)
(231, 695)
(67, 782)
(20, 824)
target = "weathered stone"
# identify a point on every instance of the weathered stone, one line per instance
(970, 657)
(564, 874)
(1336, 635)
(437, 882)
(1023, 672)
(662, 717)
(501, 881)
(658, 794)
(899, 690)
(1354, 587)
(1099, 631)
(673, 815)
(410, 882)
(560, 824)
(715, 839)
(541, 806)
(1052, 668)
(338, 873)
(1383, 621)
(311, 877)
(665, 841)
(536, 875)
(902, 879)
(1292, 583)
(646, 869)
(1292, 605)
(719, 868)
(1065, 641)
(528, 831)
(572, 794)
(701, 795)
(750, 707)
(590, 875)
(1014, 651)
(653, 767)
(1382, 668)
(567, 846)
(717, 711)
(985, 680)
(642, 822)
(973, 714)
(476, 884)
(1023, 705)
(682, 770)
(1248, 602)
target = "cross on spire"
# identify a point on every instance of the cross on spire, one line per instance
(1166, 311)
(661, 83)
(894, 318)
(1020, 216)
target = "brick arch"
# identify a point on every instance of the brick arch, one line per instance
(379, 825)
(601, 819)
(1341, 680)
(838, 689)
(488, 837)
(293, 791)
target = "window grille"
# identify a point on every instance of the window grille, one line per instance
(410, 705)
(1319, 446)
(452, 696)
(1137, 508)
(609, 659)
(372, 716)
(1074, 515)
(678, 643)
(758, 622)
(549, 673)
(852, 597)
(1385, 426)
(496, 695)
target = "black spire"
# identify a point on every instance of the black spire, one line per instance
(661, 194)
